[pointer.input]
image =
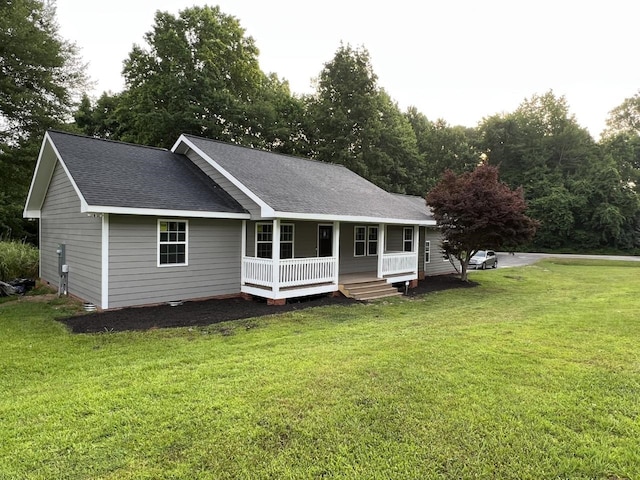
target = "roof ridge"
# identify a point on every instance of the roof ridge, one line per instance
(119, 142)
(258, 149)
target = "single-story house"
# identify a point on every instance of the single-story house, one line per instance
(127, 225)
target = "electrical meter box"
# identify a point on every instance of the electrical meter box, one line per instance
(62, 257)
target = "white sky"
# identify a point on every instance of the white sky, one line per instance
(460, 60)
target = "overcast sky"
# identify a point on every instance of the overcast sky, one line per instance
(457, 60)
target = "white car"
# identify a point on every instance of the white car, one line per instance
(484, 259)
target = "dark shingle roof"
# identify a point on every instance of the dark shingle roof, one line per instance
(118, 174)
(419, 203)
(292, 184)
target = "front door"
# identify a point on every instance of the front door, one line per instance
(325, 240)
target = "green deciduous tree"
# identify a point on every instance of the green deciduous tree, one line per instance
(195, 75)
(40, 78)
(40, 71)
(198, 73)
(474, 210)
(102, 118)
(356, 124)
(442, 147)
(625, 117)
(540, 136)
(609, 208)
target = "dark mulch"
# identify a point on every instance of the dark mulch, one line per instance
(438, 283)
(207, 312)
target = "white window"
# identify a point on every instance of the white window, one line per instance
(365, 241)
(264, 240)
(407, 244)
(427, 252)
(286, 240)
(172, 242)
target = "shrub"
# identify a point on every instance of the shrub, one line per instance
(18, 260)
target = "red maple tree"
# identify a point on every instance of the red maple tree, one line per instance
(476, 211)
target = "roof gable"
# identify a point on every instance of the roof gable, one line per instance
(120, 177)
(296, 187)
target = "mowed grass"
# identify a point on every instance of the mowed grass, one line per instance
(533, 374)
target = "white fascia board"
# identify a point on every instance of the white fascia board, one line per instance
(352, 218)
(157, 212)
(35, 212)
(28, 213)
(265, 210)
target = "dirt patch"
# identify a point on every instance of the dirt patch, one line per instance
(47, 297)
(207, 312)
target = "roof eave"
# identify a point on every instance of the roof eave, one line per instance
(354, 218)
(162, 212)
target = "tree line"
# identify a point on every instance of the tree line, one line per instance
(198, 72)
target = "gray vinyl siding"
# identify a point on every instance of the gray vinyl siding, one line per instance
(306, 239)
(136, 279)
(62, 222)
(251, 239)
(225, 184)
(395, 237)
(437, 265)
(349, 263)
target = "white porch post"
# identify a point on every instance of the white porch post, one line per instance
(275, 256)
(381, 242)
(243, 251)
(104, 293)
(416, 240)
(336, 250)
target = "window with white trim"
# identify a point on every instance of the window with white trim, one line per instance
(365, 241)
(427, 251)
(172, 242)
(286, 240)
(407, 243)
(264, 240)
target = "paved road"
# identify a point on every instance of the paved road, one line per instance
(519, 259)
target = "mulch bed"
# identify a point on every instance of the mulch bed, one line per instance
(207, 312)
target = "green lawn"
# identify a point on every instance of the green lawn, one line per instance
(534, 374)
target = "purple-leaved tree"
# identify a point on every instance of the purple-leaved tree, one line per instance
(476, 211)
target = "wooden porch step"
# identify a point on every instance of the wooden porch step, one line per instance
(369, 290)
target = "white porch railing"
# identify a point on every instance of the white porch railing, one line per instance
(258, 271)
(399, 262)
(293, 272)
(307, 271)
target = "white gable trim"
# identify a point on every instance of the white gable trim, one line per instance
(266, 211)
(42, 176)
(352, 218)
(99, 209)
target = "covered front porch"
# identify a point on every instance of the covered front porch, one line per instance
(344, 251)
